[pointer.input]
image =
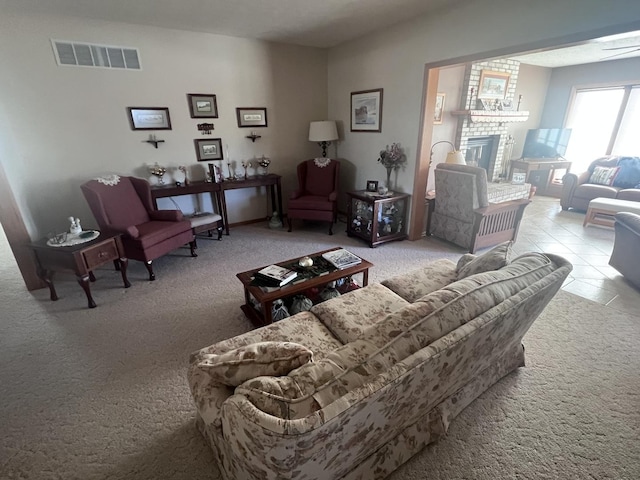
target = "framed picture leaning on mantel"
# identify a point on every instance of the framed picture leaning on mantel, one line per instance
(366, 110)
(149, 118)
(493, 85)
(202, 105)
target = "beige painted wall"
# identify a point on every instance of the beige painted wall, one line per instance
(60, 126)
(394, 59)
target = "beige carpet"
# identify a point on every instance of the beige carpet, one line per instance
(102, 394)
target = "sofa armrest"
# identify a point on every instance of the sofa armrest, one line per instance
(333, 196)
(569, 184)
(166, 215)
(295, 194)
(630, 221)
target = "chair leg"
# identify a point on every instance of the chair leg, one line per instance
(116, 264)
(219, 232)
(195, 243)
(210, 233)
(289, 222)
(330, 228)
(152, 276)
(192, 245)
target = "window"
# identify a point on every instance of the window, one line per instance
(603, 122)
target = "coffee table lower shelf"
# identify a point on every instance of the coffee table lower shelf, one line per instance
(266, 299)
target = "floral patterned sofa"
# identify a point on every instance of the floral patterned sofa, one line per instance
(356, 386)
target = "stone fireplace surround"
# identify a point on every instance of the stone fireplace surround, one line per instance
(497, 130)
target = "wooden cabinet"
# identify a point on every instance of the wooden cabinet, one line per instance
(377, 218)
(543, 173)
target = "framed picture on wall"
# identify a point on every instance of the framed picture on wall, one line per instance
(493, 84)
(202, 105)
(251, 117)
(149, 118)
(439, 111)
(208, 149)
(366, 110)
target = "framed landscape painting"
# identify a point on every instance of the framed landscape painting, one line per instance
(366, 110)
(149, 118)
(493, 84)
(202, 105)
(208, 149)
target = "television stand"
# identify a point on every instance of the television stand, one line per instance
(542, 173)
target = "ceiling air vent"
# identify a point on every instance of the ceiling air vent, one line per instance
(91, 55)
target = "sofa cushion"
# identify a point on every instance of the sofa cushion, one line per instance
(494, 259)
(629, 173)
(604, 175)
(264, 358)
(349, 314)
(415, 284)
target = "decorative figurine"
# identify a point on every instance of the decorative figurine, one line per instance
(159, 172)
(305, 262)
(264, 163)
(183, 169)
(275, 221)
(75, 227)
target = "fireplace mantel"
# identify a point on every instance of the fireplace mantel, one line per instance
(498, 116)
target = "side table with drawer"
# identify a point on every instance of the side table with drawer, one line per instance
(80, 259)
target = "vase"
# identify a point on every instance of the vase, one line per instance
(388, 184)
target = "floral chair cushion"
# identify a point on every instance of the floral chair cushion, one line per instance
(494, 259)
(264, 358)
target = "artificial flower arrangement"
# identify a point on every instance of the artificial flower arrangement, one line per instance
(392, 158)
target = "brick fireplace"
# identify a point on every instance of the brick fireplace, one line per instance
(482, 135)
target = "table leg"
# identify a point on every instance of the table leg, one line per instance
(279, 192)
(123, 262)
(84, 283)
(92, 277)
(47, 277)
(267, 312)
(223, 204)
(365, 278)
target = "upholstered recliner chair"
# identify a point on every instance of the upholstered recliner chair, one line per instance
(317, 194)
(463, 214)
(123, 205)
(624, 257)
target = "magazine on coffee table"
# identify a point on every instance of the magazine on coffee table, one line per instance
(341, 258)
(275, 275)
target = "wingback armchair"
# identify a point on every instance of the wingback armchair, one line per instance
(463, 214)
(317, 194)
(123, 205)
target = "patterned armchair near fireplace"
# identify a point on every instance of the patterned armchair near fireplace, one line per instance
(463, 214)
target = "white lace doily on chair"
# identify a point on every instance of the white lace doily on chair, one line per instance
(322, 162)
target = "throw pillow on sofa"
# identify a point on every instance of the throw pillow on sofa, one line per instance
(604, 175)
(629, 174)
(494, 259)
(256, 359)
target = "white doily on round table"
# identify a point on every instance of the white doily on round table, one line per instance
(76, 238)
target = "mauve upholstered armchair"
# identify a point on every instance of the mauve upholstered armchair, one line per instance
(317, 195)
(123, 205)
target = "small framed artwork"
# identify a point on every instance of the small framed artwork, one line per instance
(518, 178)
(506, 105)
(366, 110)
(439, 111)
(208, 149)
(372, 186)
(202, 105)
(493, 84)
(149, 118)
(251, 117)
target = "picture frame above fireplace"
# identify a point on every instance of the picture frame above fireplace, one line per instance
(493, 85)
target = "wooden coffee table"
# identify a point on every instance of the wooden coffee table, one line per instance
(266, 298)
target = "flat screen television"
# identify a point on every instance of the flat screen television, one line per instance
(546, 143)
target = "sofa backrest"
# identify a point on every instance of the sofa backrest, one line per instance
(324, 384)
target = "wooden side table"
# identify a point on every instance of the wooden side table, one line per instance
(377, 218)
(80, 259)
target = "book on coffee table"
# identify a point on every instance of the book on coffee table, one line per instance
(341, 258)
(275, 275)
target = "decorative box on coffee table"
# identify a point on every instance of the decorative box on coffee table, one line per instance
(377, 218)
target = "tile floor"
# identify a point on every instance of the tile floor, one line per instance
(546, 228)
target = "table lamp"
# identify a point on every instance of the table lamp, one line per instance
(323, 132)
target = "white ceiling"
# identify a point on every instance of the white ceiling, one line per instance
(314, 23)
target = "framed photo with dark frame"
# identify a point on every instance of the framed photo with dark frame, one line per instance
(493, 84)
(202, 105)
(251, 117)
(149, 118)
(366, 110)
(372, 186)
(208, 149)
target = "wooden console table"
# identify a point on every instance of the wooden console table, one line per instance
(80, 259)
(272, 181)
(543, 180)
